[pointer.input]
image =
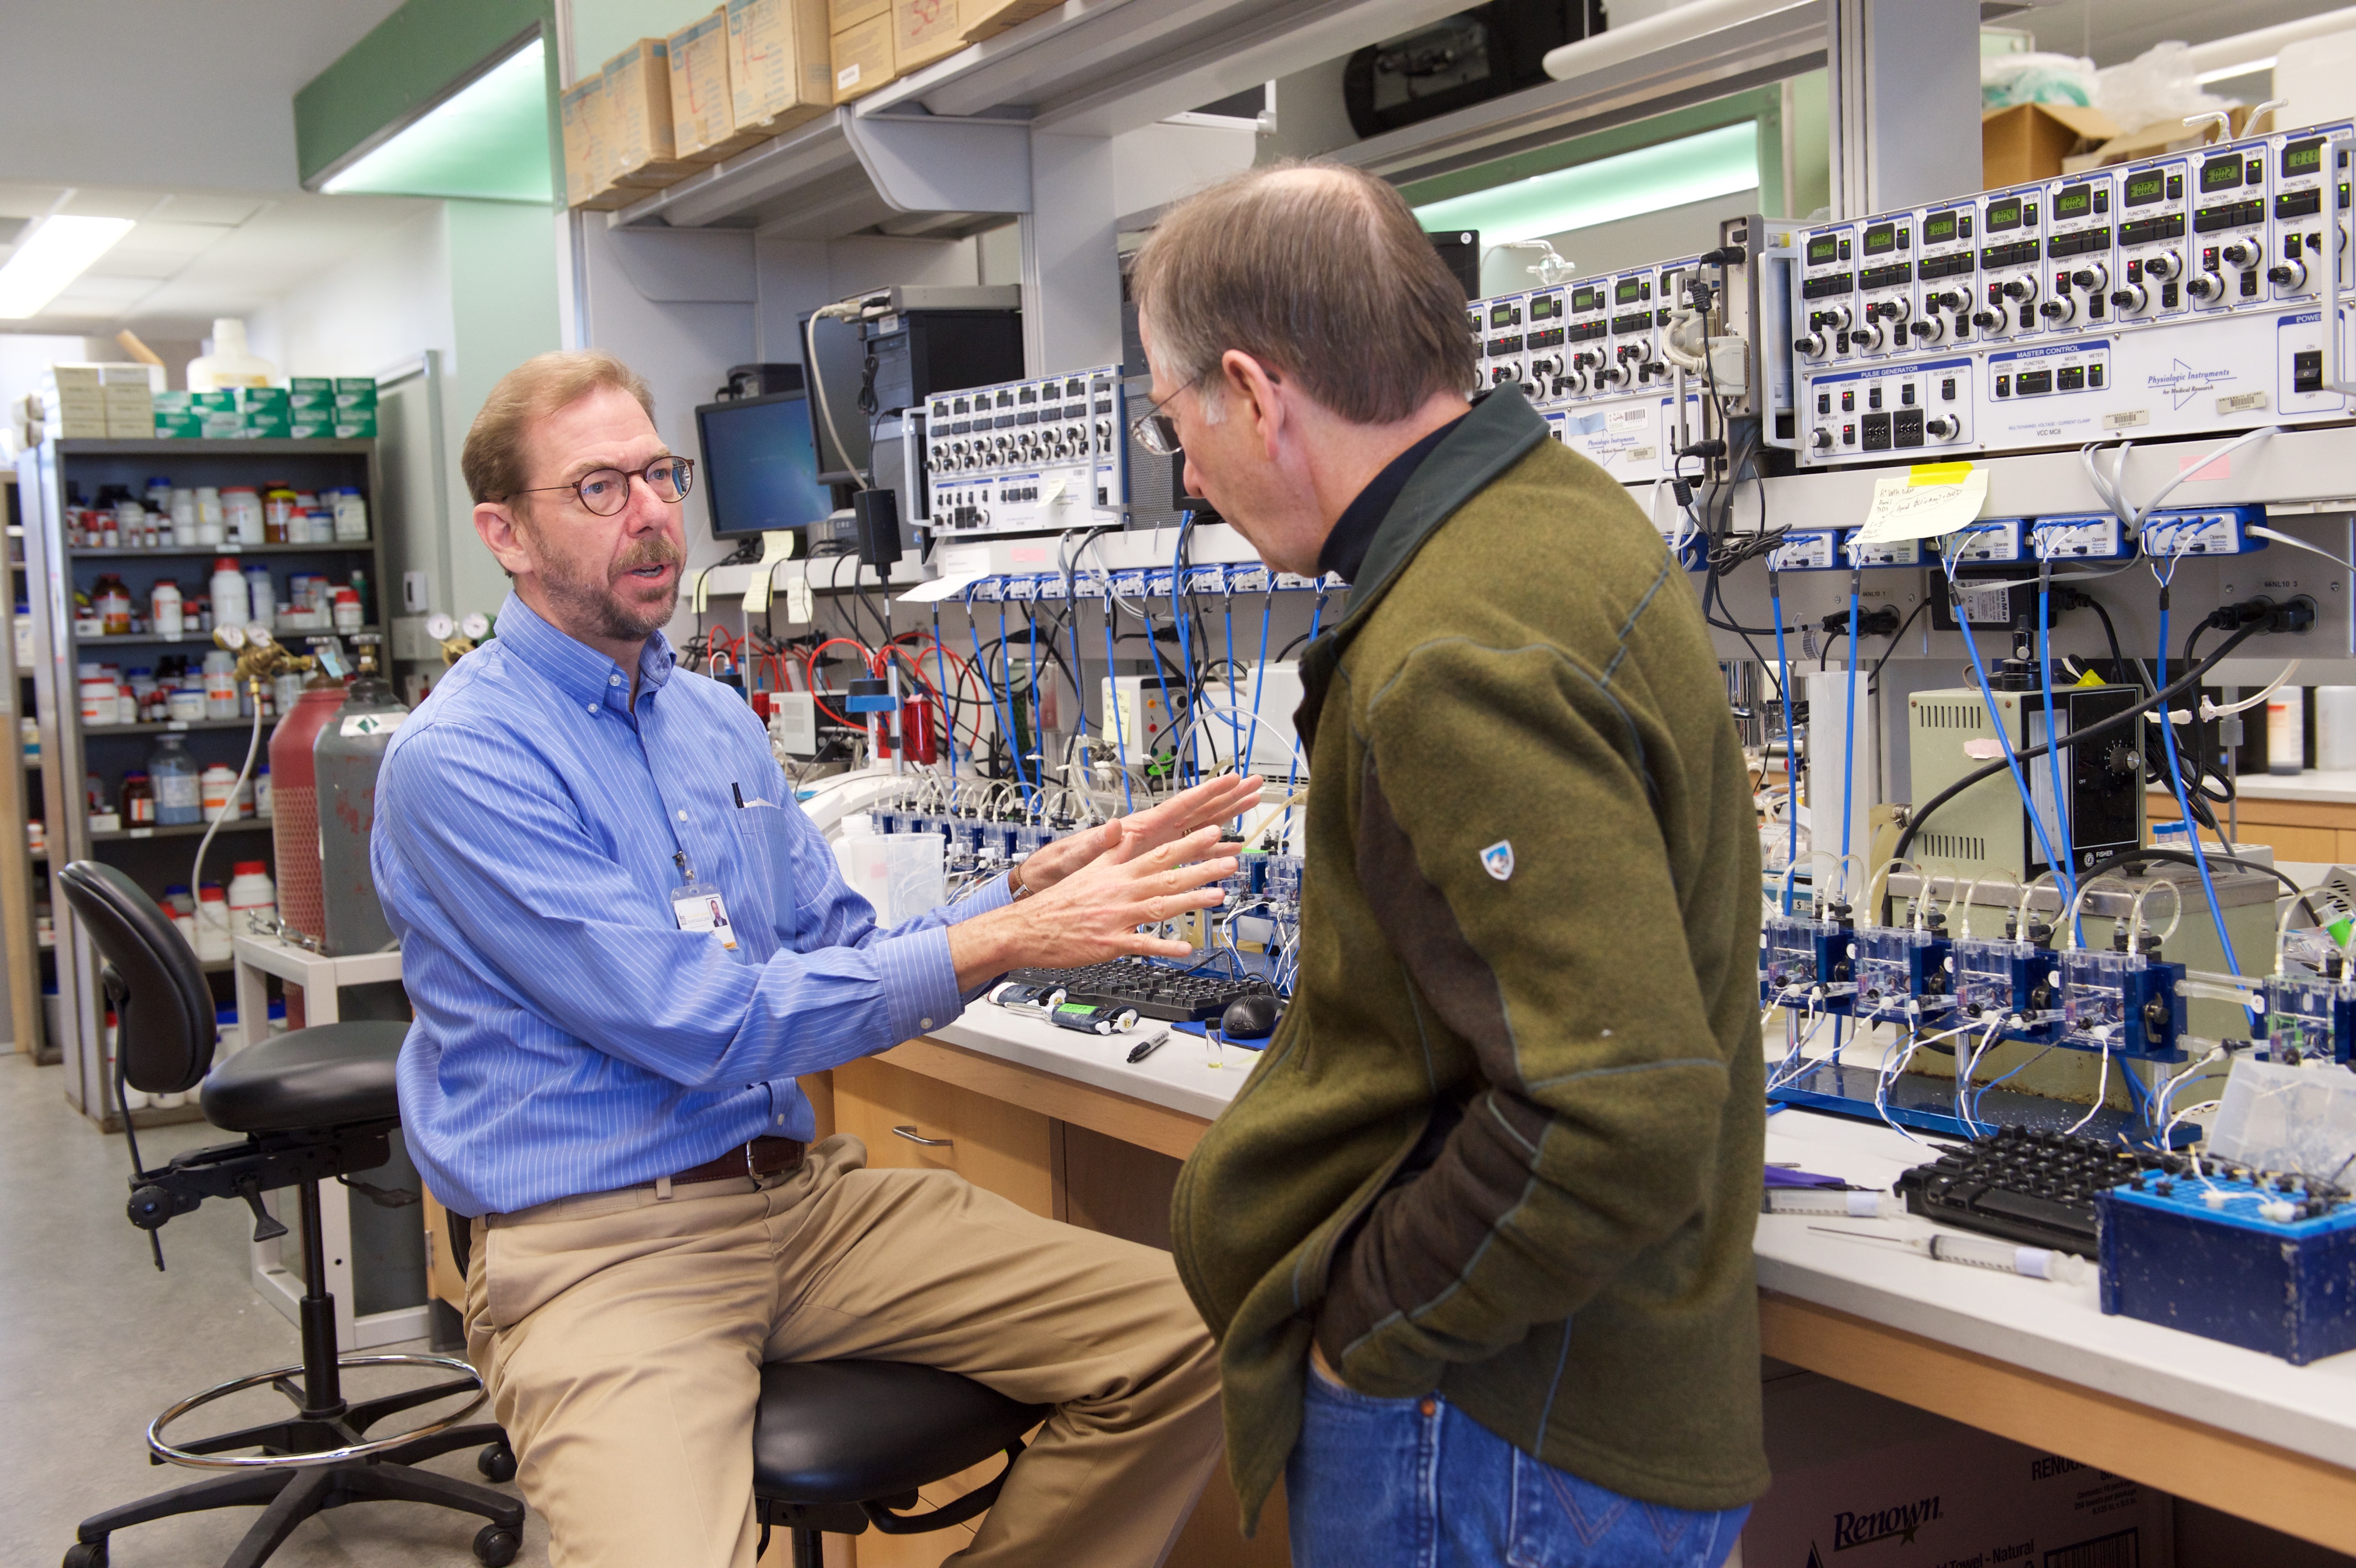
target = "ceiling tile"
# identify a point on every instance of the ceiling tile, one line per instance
(27, 200)
(89, 203)
(225, 210)
(174, 239)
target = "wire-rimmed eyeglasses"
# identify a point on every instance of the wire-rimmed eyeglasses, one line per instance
(606, 491)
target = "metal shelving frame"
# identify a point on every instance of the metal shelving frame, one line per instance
(67, 746)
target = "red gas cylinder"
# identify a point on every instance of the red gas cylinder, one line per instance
(294, 807)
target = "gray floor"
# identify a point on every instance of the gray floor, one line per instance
(95, 1342)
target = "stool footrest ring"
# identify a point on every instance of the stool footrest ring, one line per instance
(284, 1376)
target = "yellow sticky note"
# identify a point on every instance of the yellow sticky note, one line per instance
(1912, 507)
(775, 548)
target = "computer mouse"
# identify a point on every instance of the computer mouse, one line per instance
(1251, 1017)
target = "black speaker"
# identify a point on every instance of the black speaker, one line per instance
(876, 528)
(1460, 249)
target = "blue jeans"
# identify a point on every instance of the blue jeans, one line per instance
(1406, 1483)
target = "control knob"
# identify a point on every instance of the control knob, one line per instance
(1814, 344)
(1820, 439)
(2205, 287)
(1943, 427)
(2092, 279)
(2290, 275)
(2129, 299)
(2020, 291)
(1836, 317)
(2161, 265)
(1889, 310)
(1989, 320)
(2242, 253)
(1931, 329)
(1868, 339)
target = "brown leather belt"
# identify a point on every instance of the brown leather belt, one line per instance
(761, 1156)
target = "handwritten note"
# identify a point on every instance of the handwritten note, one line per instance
(775, 548)
(1930, 499)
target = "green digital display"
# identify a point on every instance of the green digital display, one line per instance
(1880, 238)
(1081, 1008)
(2005, 214)
(2072, 201)
(1823, 248)
(1584, 300)
(2146, 187)
(1627, 290)
(1546, 307)
(1938, 228)
(1501, 315)
(2302, 158)
(2220, 174)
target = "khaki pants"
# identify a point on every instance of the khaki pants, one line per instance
(622, 1336)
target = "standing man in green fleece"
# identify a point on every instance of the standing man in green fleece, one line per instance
(1475, 1237)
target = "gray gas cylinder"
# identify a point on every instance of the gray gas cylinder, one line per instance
(346, 758)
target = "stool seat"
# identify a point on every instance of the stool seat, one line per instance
(854, 1431)
(330, 1076)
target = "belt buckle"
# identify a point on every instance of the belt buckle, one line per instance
(749, 1169)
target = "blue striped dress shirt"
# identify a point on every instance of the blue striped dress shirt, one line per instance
(570, 1037)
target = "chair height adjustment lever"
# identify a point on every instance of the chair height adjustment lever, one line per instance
(265, 1228)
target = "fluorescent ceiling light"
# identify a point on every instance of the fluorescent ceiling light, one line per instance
(2227, 72)
(488, 140)
(1693, 168)
(56, 253)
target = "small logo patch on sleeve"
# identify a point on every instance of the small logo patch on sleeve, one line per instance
(1497, 859)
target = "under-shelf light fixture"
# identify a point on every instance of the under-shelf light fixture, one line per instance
(486, 141)
(1626, 185)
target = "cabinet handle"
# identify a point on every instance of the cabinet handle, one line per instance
(911, 1134)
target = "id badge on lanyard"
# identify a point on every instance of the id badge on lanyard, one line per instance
(698, 906)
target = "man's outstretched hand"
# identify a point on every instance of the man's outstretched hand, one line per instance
(1185, 813)
(1092, 912)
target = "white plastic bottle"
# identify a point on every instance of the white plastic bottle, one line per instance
(262, 788)
(208, 515)
(252, 897)
(214, 941)
(217, 789)
(262, 595)
(351, 517)
(231, 363)
(164, 603)
(231, 604)
(242, 515)
(220, 685)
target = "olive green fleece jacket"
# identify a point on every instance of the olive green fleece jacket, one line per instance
(1505, 1144)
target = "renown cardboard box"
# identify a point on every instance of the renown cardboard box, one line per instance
(637, 117)
(703, 116)
(862, 59)
(841, 16)
(980, 19)
(587, 161)
(2028, 140)
(924, 31)
(780, 72)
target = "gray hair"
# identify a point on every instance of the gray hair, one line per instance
(1315, 269)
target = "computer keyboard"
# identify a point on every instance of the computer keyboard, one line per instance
(1155, 990)
(2035, 1188)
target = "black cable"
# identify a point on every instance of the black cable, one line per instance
(1874, 675)
(2185, 858)
(2190, 680)
(1825, 658)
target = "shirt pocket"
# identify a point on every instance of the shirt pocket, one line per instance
(769, 894)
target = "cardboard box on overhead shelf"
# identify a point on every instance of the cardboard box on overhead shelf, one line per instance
(779, 67)
(263, 400)
(841, 16)
(637, 117)
(862, 59)
(305, 393)
(356, 392)
(76, 377)
(924, 31)
(220, 400)
(703, 113)
(2028, 140)
(2165, 136)
(178, 424)
(356, 424)
(587, 161)
(982, 19)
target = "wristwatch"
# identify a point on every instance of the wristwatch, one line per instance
(1015, 885)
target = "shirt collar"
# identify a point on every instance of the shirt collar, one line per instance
(580, 671)
(1346, 548)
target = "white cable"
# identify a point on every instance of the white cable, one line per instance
(2189, 469)
(2211, 711)
(2101, 1089)
(2263, 532)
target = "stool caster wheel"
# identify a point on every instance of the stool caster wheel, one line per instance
(92, 1554)
(497, 1463)
(495, 1546)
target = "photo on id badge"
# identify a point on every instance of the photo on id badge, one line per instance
(698, 907)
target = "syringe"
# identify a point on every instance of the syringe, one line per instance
(1831, 1200)
(1983, 1251)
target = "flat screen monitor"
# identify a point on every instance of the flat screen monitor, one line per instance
(760, 468)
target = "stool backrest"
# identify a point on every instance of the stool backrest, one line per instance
(166, 1041)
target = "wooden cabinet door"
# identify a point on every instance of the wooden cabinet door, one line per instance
(909, 1122)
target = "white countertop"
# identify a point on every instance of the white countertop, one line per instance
(2331, 786)
(2056, 1330)
(1178, 1076)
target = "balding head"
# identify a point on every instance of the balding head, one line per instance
(1318, 271)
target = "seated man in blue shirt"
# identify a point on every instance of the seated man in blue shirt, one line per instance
(603, 1076)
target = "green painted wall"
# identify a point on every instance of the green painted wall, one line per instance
(409, 60)
(503, 308)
